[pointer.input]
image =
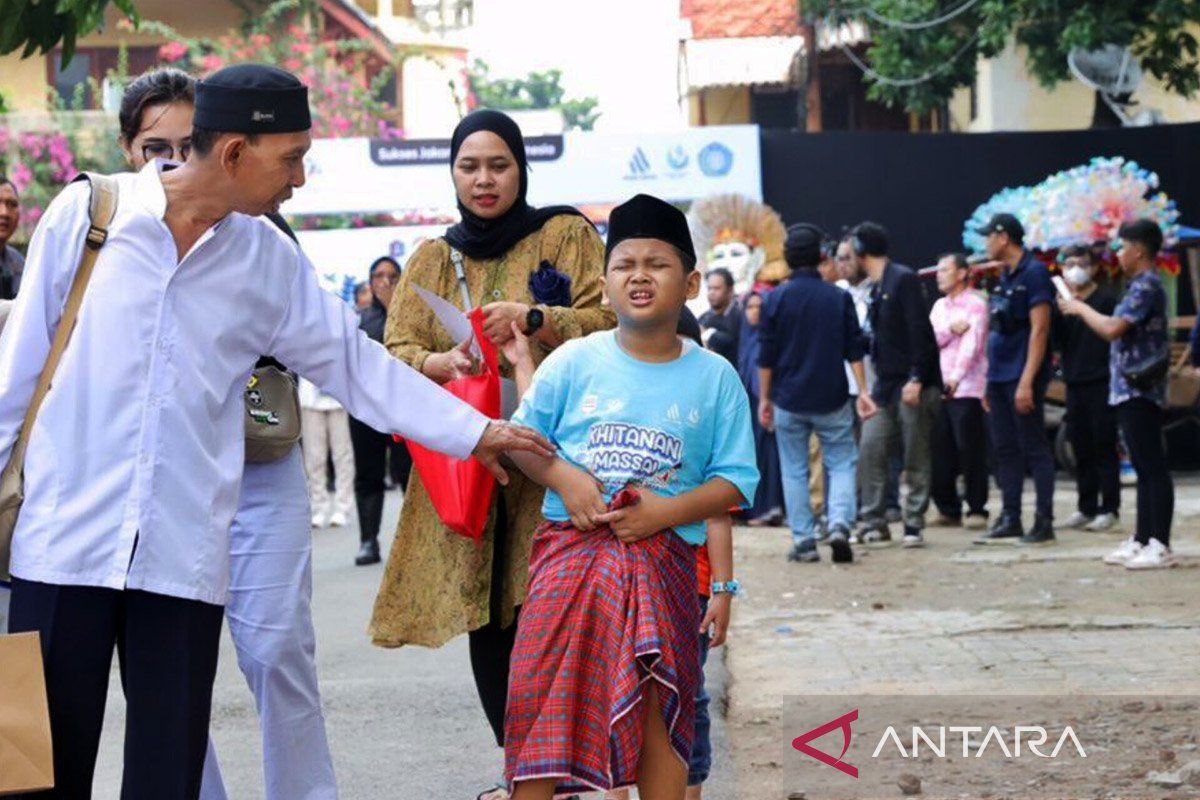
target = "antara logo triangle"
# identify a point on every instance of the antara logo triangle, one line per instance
(801, 743)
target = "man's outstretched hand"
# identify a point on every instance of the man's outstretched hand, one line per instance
(501, 437)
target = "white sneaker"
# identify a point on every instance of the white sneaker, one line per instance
(337, 520)
(1127, 550)
(318, 520)
(1076, 521)
(1101, 523)
(1155, 555)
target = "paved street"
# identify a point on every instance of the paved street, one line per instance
(954, 618)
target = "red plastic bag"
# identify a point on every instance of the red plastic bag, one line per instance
(462, 491)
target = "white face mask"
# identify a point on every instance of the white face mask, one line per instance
(1078, 276)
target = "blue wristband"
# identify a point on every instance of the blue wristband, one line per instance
(726, 587)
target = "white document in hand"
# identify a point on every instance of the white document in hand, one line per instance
(454, 321)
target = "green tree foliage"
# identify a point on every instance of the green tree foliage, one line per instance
(38, 26)
(537, 90)
(917, 65)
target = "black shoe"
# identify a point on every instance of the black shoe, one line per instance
(839, 544)
(804, 553)
(1007, 530)
(875, 537)
(368, 553)
(1042, 532)
(912, 537)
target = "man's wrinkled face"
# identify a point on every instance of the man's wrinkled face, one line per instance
(949, 276)
(10, 212)
(849, 265)
(267, 171)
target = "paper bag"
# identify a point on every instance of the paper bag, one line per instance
(26, 756)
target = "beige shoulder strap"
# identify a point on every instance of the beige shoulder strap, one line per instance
(103, 208)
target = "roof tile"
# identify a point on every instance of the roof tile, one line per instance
(715, 19)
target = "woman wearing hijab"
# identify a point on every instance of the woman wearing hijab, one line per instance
(542, 270)
(768, 501)
(371, 447)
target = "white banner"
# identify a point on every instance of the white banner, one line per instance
(577, 168)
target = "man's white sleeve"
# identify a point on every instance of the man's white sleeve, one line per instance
(319, 338)
(50, 267)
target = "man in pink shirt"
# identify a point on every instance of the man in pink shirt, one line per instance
(960, 323)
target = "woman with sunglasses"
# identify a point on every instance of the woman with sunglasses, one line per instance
(270, 588)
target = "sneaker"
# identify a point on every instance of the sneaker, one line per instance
(1102, 522)
(1128, 549)
(318, 520)
(893, 515)
(1006, 530)
(337, 520)
(839, 544)
(1076, 522)
(876, 537)
(855, 538)
(1154, 555)
(946, 521)
(804, 552)
(913, 538)
(1042, 532)
(975, 522)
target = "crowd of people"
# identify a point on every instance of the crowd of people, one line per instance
(605, 572)
(935, 400)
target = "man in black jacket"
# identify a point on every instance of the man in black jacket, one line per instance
(907, 389)
(720, 326)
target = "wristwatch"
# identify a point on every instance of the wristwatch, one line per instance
(534, 320)
(726, 587)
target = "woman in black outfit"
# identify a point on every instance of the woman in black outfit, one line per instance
(370, 446)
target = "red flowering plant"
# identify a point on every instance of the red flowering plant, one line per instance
(346, 79)
(41, 162)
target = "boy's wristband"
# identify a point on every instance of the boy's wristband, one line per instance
(726, 587)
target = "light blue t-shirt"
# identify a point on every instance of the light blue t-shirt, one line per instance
(667, 427)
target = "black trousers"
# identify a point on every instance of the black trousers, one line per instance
(960, 448)
(491, 646)
(371, 450)
(1092, 429)
(1019, 442)
(168, 655)
(1141, 424)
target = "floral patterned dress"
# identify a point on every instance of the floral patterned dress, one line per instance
(438, 584)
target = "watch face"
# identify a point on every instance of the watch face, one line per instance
(535, 319)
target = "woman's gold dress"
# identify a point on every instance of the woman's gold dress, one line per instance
(437, 584)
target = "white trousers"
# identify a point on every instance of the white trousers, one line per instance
(326, 432)
(270, 620)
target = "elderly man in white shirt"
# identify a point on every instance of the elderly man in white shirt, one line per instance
(133, 470)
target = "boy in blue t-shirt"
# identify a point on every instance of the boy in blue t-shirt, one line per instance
(653, 435)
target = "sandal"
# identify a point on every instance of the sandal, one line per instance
(497, 792)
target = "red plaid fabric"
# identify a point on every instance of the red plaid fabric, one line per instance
(601, 618)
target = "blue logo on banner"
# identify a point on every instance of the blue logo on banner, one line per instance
(716, 160)
(639, 164)
(677, 158)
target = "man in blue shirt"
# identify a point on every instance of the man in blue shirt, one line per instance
(809, 330)
(1017, 376)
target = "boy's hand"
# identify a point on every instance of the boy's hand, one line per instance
(516, 350)
(581, 494)
(716, 619)
(639, 521)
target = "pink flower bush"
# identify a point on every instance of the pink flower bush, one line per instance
(172, 52)
(345, 77)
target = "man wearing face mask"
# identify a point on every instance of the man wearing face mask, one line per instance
(1091, 422)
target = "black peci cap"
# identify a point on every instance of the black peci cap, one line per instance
(647, 217)
(252, 98)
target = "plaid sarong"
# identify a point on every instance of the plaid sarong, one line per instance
(601, 618)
